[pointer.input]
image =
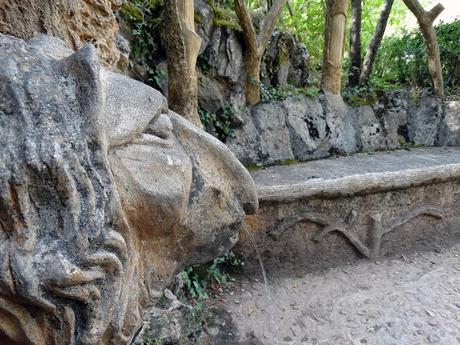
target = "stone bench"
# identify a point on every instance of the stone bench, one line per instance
(365, 204)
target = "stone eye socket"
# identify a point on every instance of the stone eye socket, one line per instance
(161, 127)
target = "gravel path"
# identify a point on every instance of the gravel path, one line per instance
(406, 300)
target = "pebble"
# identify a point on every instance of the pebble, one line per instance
(434, 339)
(236, 301)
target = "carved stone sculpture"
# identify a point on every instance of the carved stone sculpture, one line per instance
(105, 195)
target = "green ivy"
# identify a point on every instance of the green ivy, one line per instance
(219, 123)
(144, 18)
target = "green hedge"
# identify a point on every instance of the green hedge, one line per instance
(402, 60)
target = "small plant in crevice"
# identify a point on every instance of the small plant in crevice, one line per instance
(360, 95)
(269, 93)
(198, 279)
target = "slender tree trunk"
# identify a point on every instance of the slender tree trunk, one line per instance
(336, 19)
(256, 45)
(374, 45)
(355, 43)
(182, 45)
(425, 20)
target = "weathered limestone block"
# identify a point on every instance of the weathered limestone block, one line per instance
(270, 121)
(449, 133)
(370, 130)
(341, 121)
(307, 127)
(424, 119)
(74, 21)
(328, 211)
(105, 195)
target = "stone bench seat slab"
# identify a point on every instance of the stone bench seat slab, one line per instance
(359, 173)
(366, 204)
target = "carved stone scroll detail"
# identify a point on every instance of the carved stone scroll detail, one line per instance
(375, 231)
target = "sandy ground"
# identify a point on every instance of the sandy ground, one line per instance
(413, 299)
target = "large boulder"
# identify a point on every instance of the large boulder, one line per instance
(106, 195)
(76, 22)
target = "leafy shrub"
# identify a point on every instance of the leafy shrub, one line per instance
(403, 59)
(198, 278)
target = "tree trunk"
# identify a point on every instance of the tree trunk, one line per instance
(425, 20)
(255, 45)
(355, 44)
(374, 45)
(252, 84)
(182, 46)
(336, 19)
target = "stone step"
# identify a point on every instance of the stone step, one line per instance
(366, 204)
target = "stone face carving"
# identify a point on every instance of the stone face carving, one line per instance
(105, 195)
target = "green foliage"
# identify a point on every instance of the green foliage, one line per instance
(308, 19)
(198, 278)
(361, 95)
(402, 59)
(144, 18)
(219, 123)
(269, 93)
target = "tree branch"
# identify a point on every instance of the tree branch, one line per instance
(415, 7)
(268, 25)
(435, 12)
(246, 24)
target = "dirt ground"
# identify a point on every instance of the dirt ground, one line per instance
(401, 300)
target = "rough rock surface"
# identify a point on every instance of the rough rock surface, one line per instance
(325, 125)
(307, 127)
(74, 21)
(370, 130)
(105, 196)
(341, 121)
(285, 61)
(449, 133)
(424, 119)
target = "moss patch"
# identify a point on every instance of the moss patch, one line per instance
(224, 17)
